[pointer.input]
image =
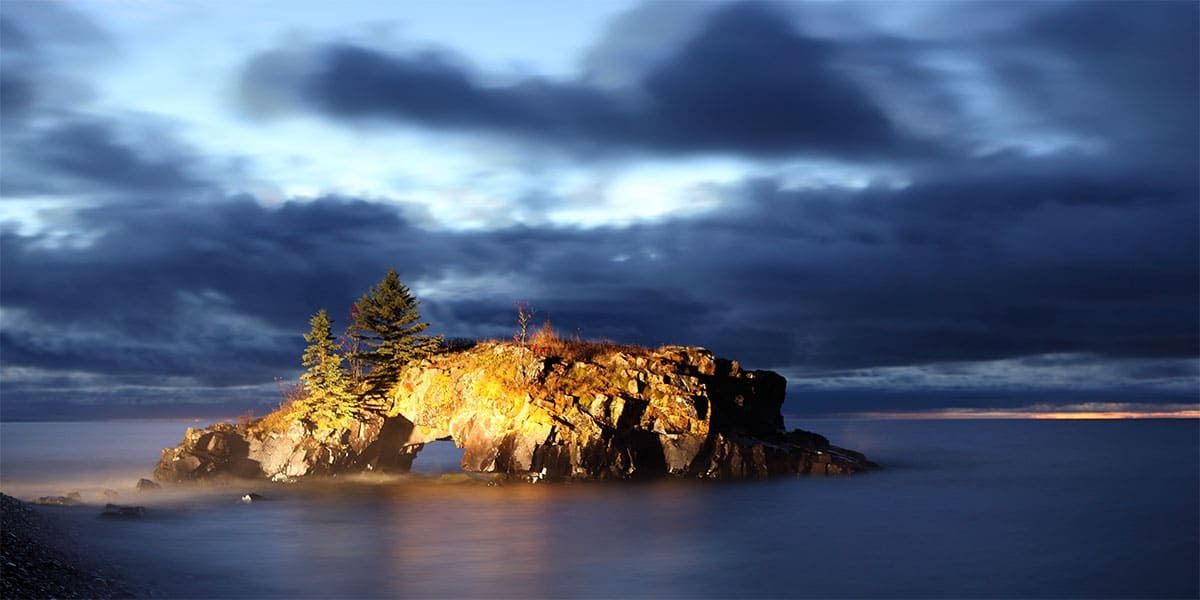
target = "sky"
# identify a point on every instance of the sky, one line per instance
(913, 206)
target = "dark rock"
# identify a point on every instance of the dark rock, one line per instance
(69, 500)
(145, 484)
(220, 450)
(252, 497)
(117, 511)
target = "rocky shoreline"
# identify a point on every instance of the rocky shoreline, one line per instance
(35, 561)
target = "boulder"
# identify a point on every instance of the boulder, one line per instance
(143, 485)
(117, 511)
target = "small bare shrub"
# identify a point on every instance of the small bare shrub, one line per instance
(546, 342)
(524, 318)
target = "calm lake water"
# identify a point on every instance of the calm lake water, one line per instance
(981, 508)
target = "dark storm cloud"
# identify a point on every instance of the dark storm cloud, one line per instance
(148, 256)
(745, 79)
(40, 43)
(17, 88)
(87, 152)
(750, 82)
(747, 82)
(16, 95)
(914, 276)
(50, 141)
(12, 38)
(971, 267)
(355, 81)
(1137, 65)
(815, 280)
(54, 23)
(210, 291)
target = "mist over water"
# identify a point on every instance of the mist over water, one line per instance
(38, 459)
(962, 508)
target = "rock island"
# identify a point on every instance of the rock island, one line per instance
(536, 408)
(617, 414)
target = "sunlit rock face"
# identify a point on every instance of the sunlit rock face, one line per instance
(246, 451)
(612, 415)
(571, 412)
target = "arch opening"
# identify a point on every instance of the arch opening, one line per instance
(439, 457)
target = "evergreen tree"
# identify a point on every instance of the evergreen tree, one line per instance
(387, 326)
(326, 382)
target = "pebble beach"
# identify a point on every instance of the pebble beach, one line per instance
(36, 560)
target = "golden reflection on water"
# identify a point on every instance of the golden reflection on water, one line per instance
(506, 539)
(494, 540)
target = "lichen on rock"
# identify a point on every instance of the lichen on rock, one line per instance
(611, 413)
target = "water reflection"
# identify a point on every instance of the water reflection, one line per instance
(494, 542)
(975, 508)
(539, 541)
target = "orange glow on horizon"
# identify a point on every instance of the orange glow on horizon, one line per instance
(1181, 414)
(1039, 415)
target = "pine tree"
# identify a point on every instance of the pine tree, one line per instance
(386, 324)
(326, 383)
